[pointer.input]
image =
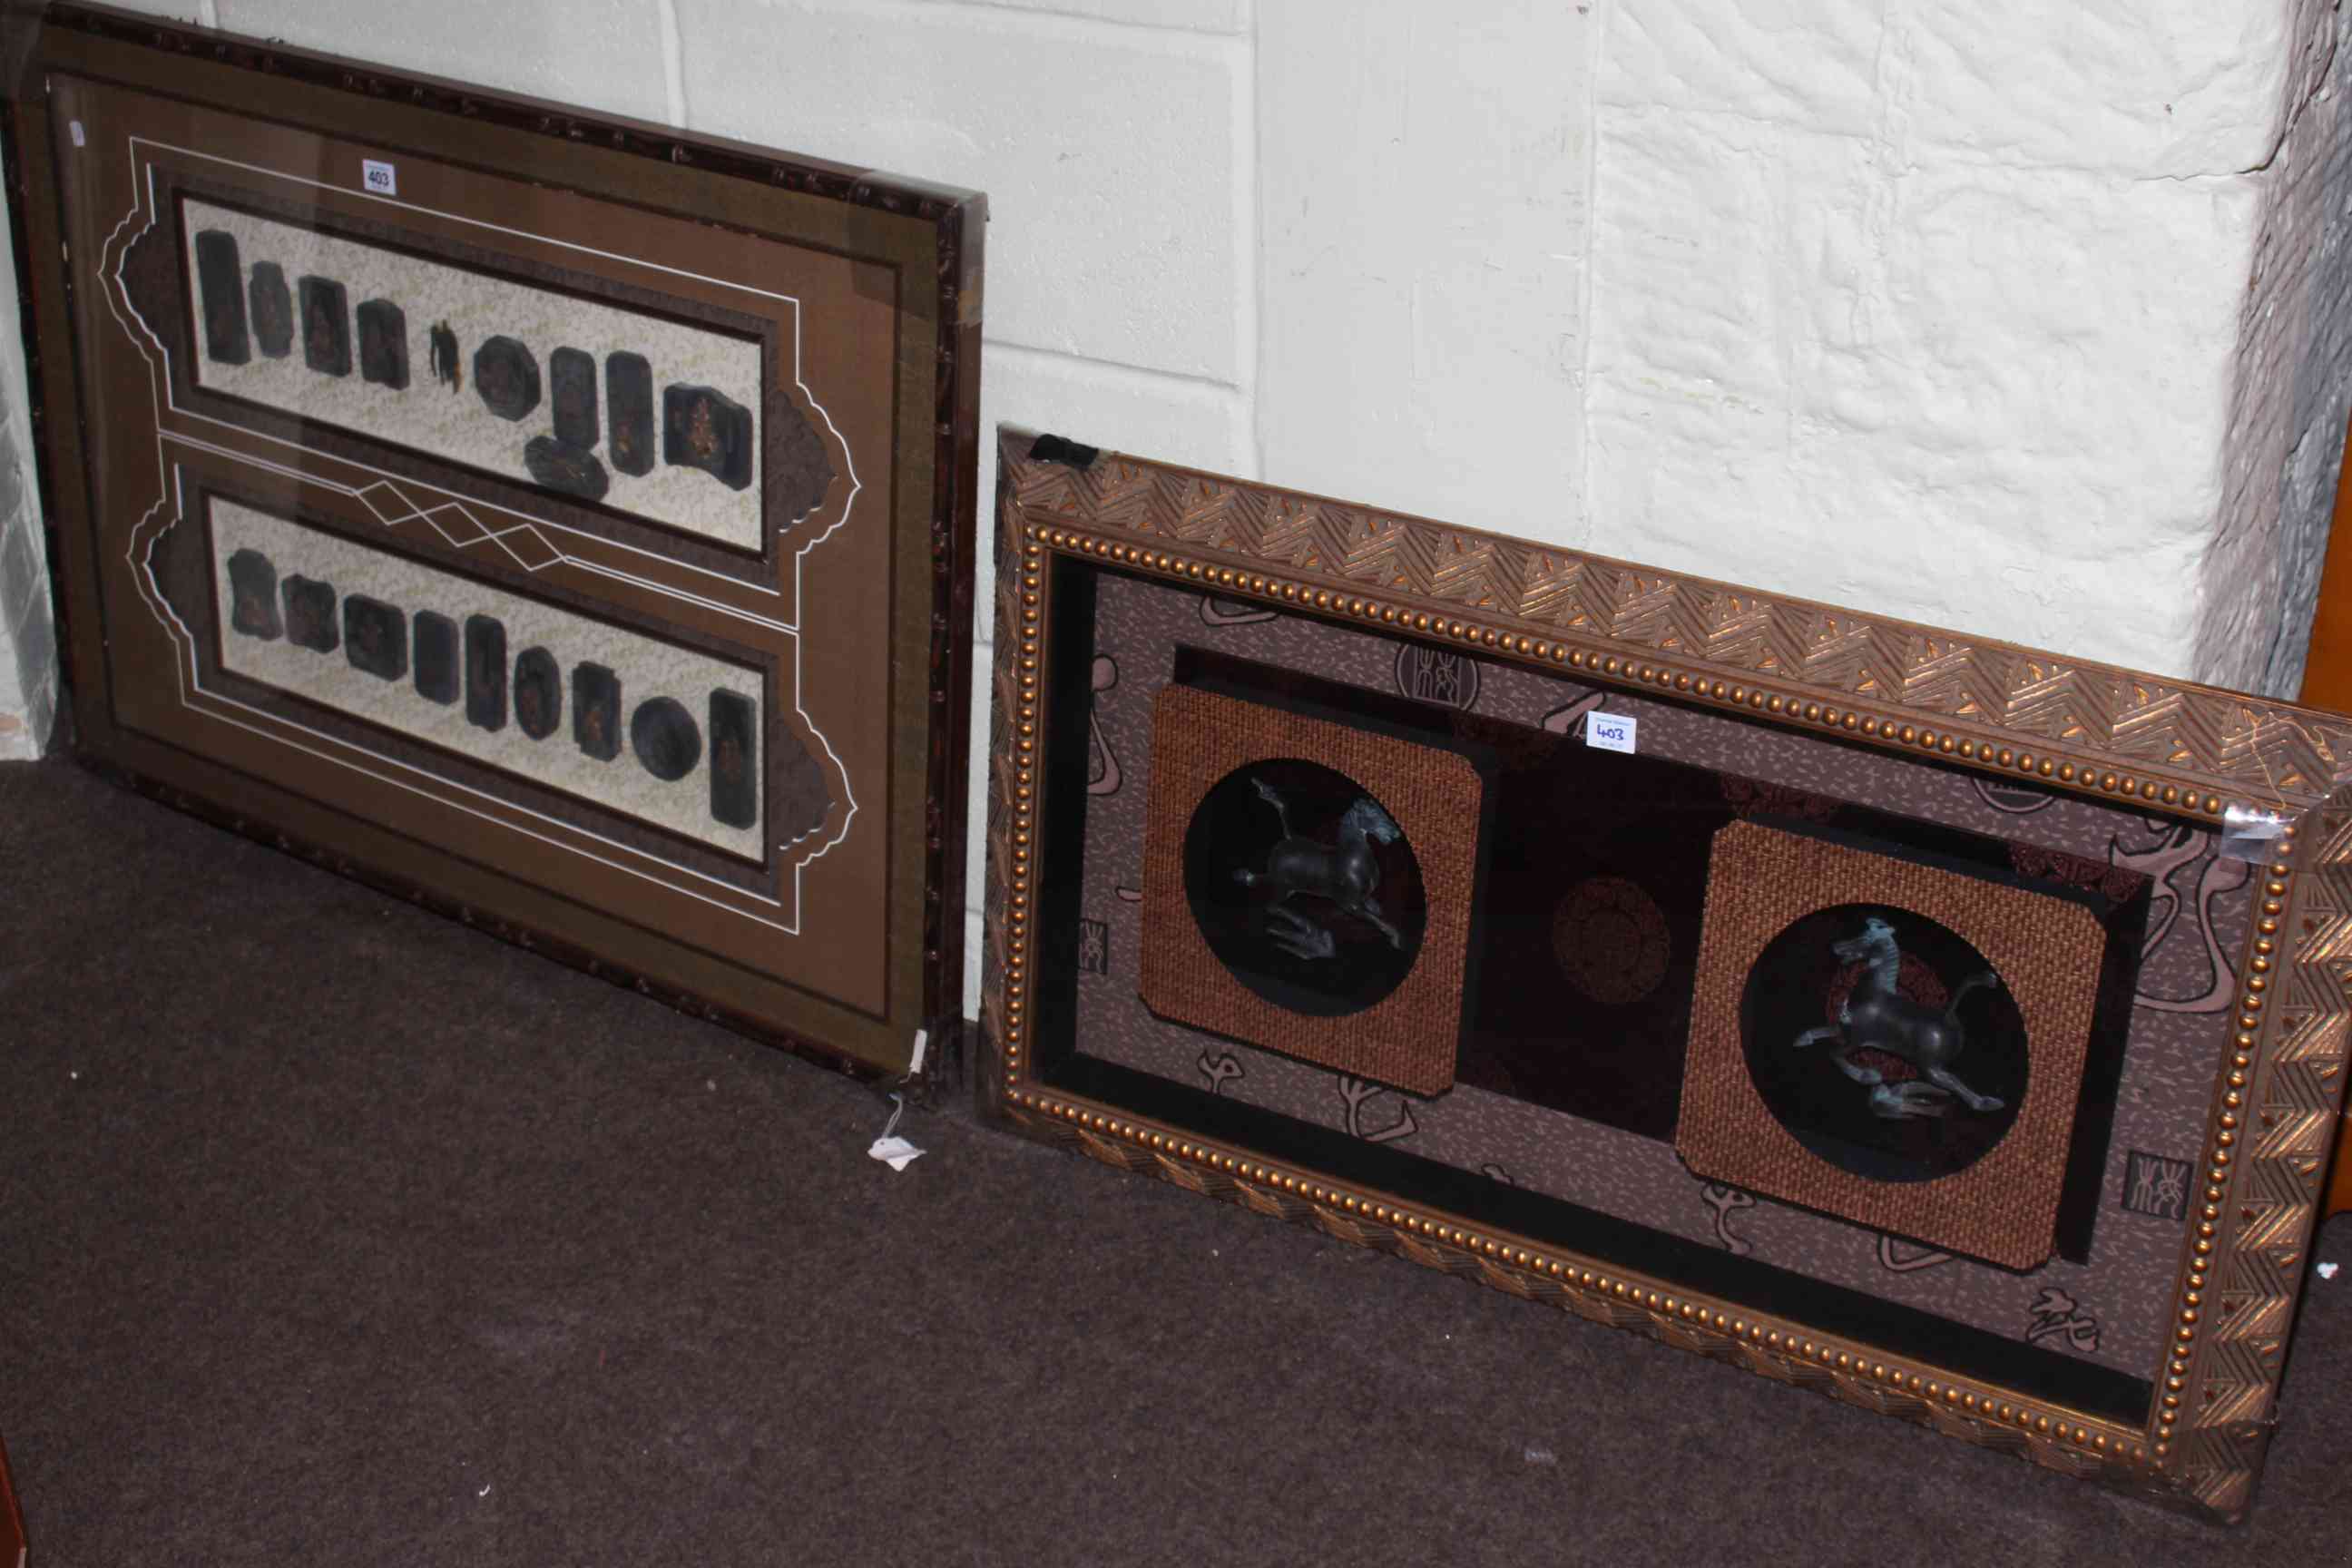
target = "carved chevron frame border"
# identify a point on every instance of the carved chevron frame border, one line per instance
(1990, 707)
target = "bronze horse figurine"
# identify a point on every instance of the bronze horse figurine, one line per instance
(1878, 1017)
(1346, 874)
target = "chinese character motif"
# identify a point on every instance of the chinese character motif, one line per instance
(2056, 1315)
(1094, 947)
(2155, 1185)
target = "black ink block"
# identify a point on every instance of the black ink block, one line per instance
(505, 377)
(253, 596)
(663, 734)
(273, 309)
(326, 325)
(629, 403)
(309, 613)
(486, 672)
(220, 292)
(538, 693)
(571, 375)
(596, 711)
(384, 344)
(434, 638)
(734, 760)
(561, 466)
(441, 345)
(705, 428)
(375, 636)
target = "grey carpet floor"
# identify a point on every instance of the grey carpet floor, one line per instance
(331, 1232)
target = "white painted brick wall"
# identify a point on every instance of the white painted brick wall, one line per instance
(605, 53)
(1423, 182)
(1927, 309)
(1949, 310)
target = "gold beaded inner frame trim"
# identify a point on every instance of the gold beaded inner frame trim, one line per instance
(1993, 709)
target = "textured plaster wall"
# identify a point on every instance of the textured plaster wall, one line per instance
(1964, 313)
(1929, 308)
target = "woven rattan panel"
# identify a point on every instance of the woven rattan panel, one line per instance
(2002, 1208)
(1408, 1038)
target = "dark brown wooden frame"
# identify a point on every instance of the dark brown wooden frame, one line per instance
(1986, 706)
(932, 234)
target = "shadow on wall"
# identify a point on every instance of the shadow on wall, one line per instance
(2259, 583)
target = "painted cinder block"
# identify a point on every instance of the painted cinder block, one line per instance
(1176, 420)
(1109, 154)
(1191, 15)
(1424, 211)
(602, 53)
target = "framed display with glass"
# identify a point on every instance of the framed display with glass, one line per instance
(556, 518)
(1952, 1027)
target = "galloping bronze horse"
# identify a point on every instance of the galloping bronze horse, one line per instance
(1346, 874)
(1879, 1018)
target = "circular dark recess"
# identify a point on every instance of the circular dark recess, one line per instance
(1304, 887)
(1865, 1094)
(665, 738)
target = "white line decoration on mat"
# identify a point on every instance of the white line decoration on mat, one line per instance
(588, 844)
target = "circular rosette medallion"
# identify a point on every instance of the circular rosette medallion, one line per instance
(1611, 941)
(1304, 887)
(1884, 1042)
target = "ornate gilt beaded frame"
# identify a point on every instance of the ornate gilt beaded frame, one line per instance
(1089, 540)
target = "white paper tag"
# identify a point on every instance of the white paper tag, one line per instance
(379, 179)
(74, 128)
(895, 1152)
(1611, 732)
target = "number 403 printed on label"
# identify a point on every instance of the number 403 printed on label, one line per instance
(1610, 732)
